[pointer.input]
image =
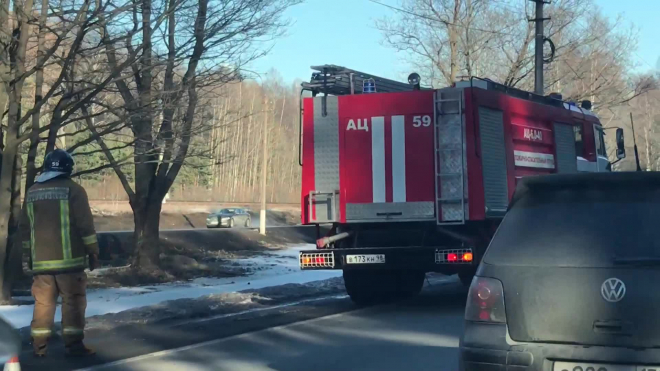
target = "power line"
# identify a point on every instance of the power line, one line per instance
(439, 20)
(644, 60)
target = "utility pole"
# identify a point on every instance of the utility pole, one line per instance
(538, 46)
(632, 125)
(262, 214)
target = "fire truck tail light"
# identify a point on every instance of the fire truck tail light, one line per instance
(458, 256)
(311, 260)
(485, 301)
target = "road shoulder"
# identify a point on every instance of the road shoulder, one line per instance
(142, 339)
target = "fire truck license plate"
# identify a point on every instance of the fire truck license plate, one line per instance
(365, 259)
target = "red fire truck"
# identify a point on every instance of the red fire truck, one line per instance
(415, 181)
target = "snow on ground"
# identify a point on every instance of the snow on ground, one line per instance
(274, 269)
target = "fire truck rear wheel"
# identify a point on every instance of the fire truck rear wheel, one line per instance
(409, 283)
(367, 287)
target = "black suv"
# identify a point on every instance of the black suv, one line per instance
(571, 279)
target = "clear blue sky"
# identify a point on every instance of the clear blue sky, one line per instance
(342, 32)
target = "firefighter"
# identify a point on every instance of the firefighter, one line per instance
(58, 229)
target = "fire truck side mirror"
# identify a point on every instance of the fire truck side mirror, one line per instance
(620, 145)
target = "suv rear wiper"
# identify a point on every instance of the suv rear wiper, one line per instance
(638, 260)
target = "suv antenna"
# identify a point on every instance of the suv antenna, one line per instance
(632, 124)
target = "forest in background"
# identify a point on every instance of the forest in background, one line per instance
(225, 160)
(443, 41)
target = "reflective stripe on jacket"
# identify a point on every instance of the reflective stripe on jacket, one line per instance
(57, 226)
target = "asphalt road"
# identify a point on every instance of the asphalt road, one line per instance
(328, 334)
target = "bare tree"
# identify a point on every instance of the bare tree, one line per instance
(187, 47)
(61, 35)
(448, 39)
(445, 39)
(38, 94)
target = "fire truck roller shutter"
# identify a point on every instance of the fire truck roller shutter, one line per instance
(565, 147)
(493, 155)
(326, 156)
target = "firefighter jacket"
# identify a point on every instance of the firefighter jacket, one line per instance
(57, 227)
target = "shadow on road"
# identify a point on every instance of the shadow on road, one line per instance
(419, 334)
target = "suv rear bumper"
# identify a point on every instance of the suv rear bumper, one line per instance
(487, 347)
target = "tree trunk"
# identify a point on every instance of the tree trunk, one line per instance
(14, 265)
(11, 148)
(6, 180)
(38, 96)
(146, 238)
(249, 183)
(222, 152)
(235, 145)
(453, 43)
(214, 143)
(55, 124)
(5, 73)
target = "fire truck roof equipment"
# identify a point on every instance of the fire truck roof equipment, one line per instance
(338, 80)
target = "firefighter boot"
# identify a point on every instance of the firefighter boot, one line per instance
(40, 346)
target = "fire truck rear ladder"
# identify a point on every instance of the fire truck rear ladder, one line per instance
(449, 158)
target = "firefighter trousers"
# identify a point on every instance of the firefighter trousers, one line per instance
(45, 289)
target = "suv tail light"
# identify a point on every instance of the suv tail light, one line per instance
(485, 301)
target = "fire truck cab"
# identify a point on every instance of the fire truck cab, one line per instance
(415, 181)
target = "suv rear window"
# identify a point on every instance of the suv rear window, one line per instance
(578, 227)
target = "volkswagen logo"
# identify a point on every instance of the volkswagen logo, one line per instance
(613, 290)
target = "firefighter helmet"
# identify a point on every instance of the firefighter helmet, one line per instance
(59, 161)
